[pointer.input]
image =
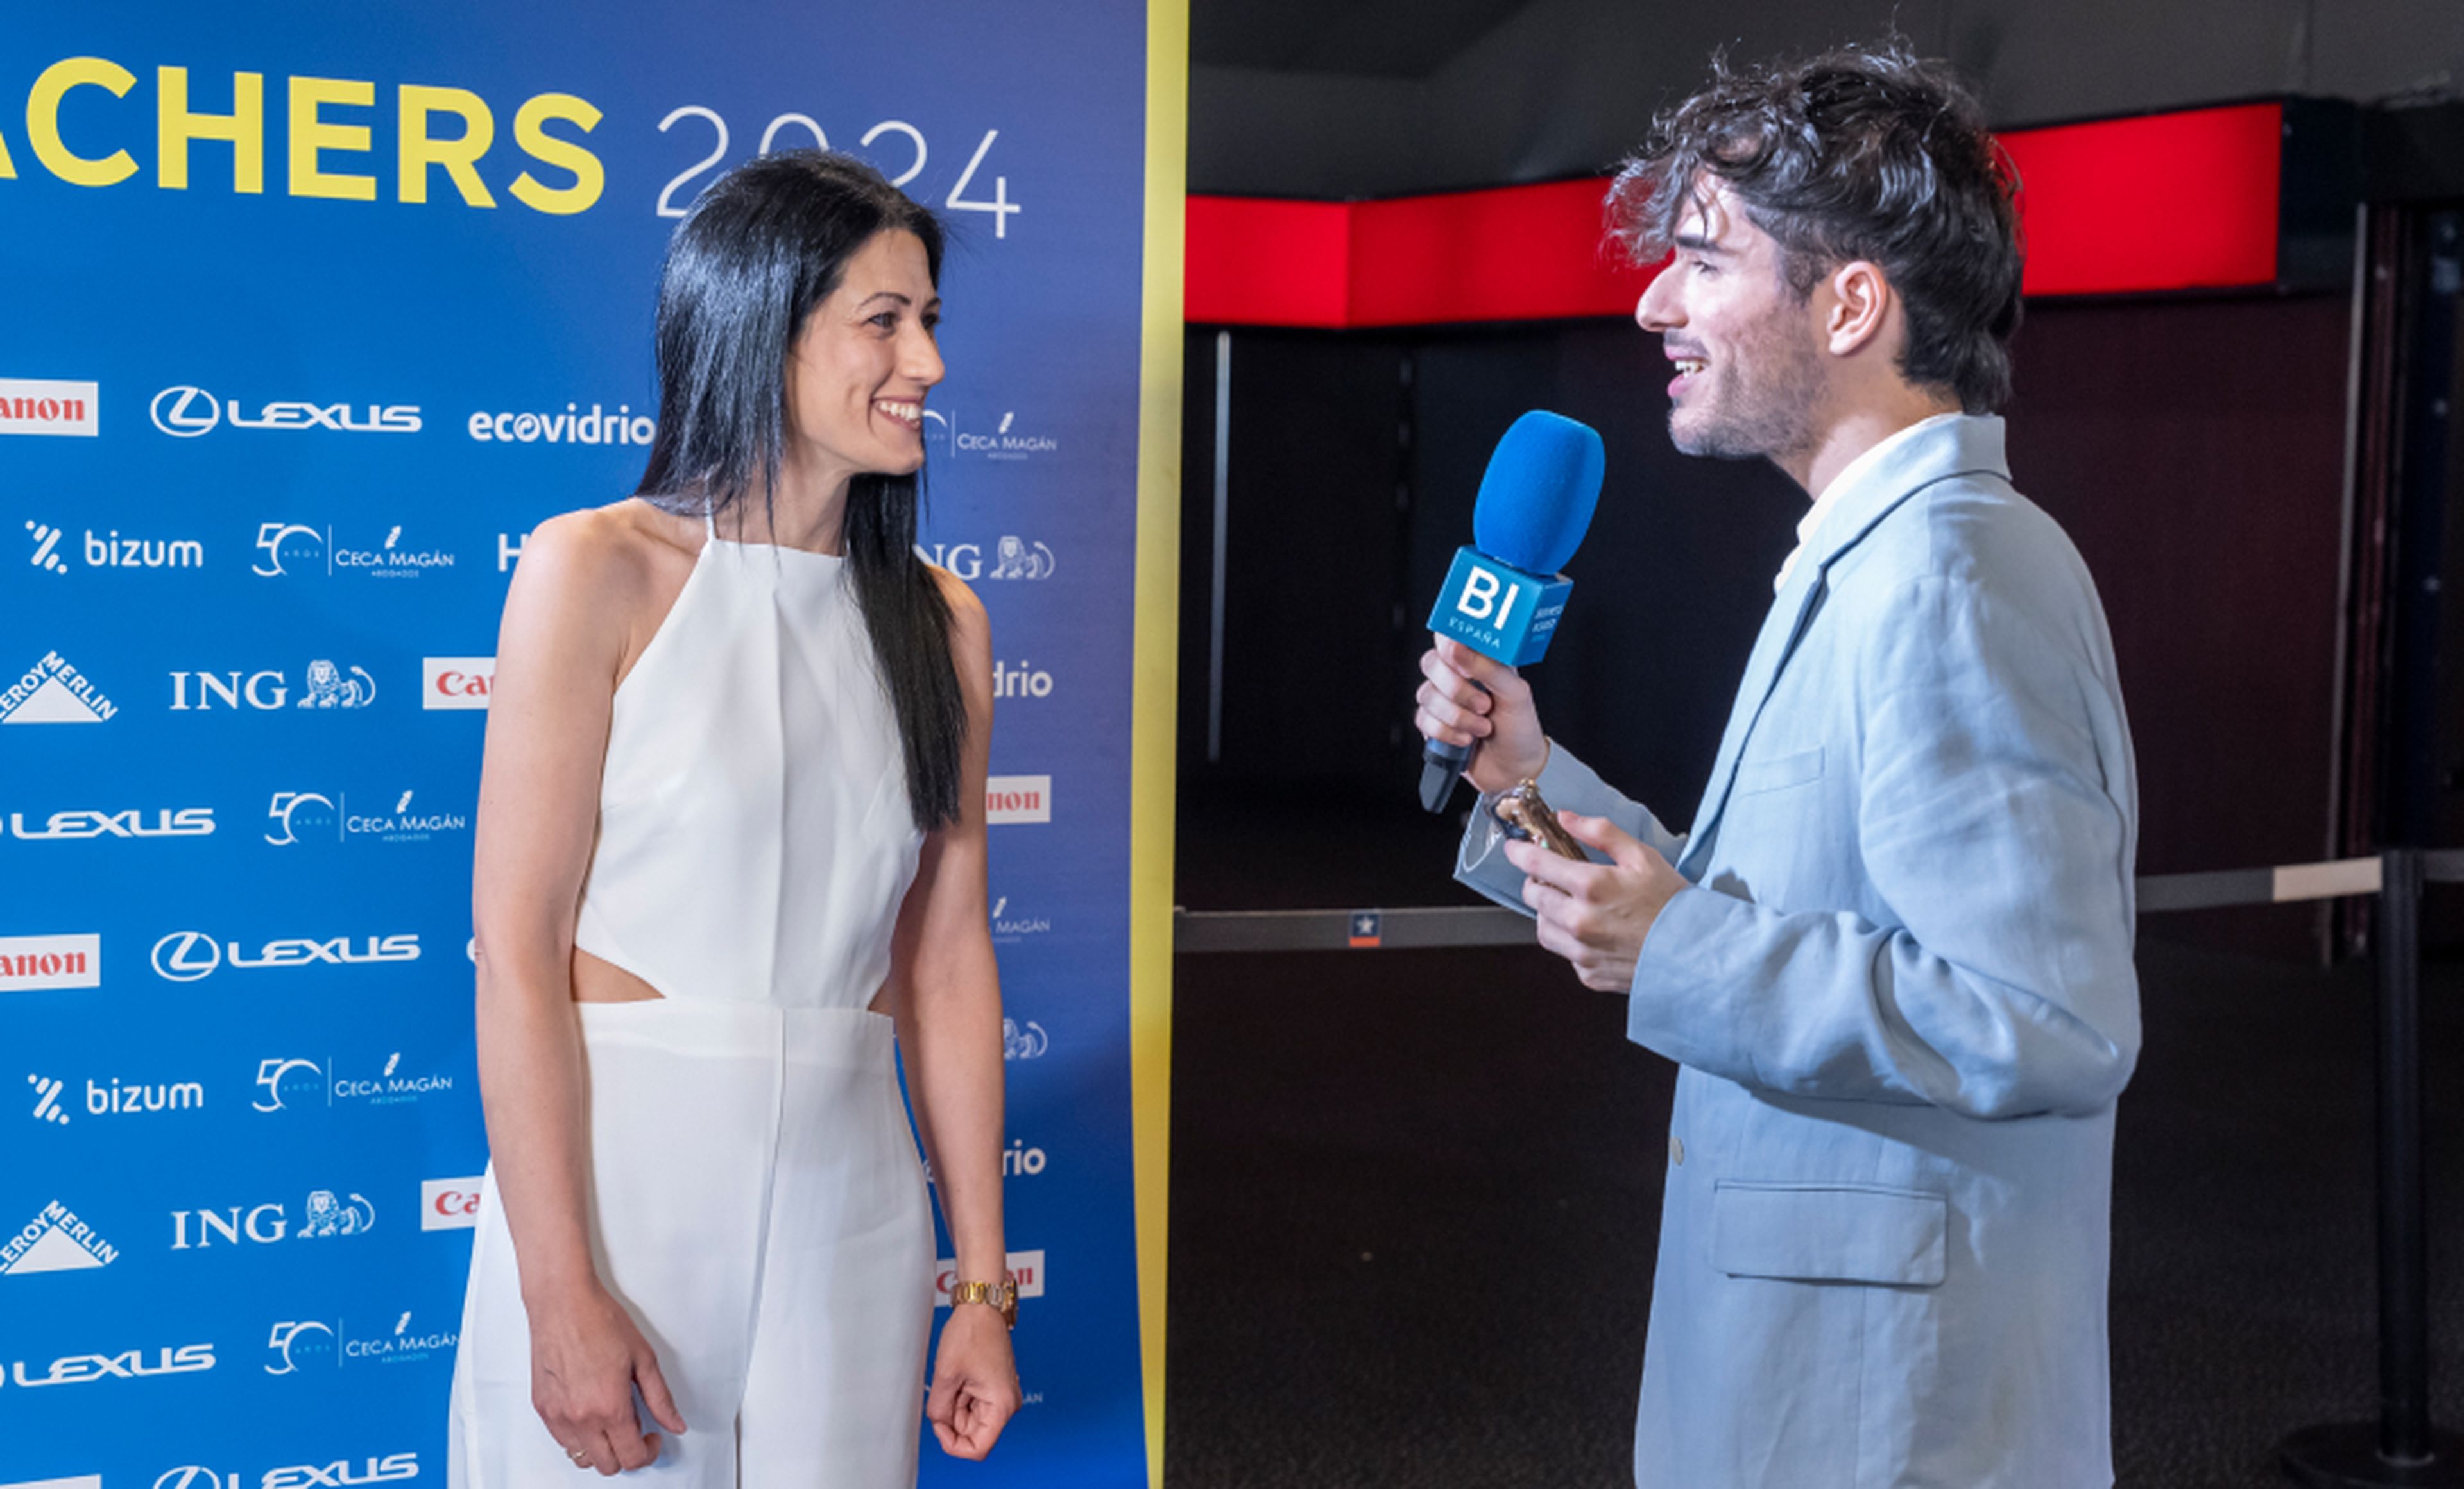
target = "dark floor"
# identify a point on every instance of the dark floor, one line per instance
(1414, 1197)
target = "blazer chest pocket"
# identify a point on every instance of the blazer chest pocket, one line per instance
(1829, 1232)
(1778, 772)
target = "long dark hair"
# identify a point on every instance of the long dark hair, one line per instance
(1859, 154)
(766, 244)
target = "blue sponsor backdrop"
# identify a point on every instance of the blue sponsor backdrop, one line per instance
(275, 414)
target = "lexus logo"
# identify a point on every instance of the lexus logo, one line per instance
(185, 956)
(185, 412)
(188, 1476)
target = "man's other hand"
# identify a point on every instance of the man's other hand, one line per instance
(1596, 915)
(1471, 699)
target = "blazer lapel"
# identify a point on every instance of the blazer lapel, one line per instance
(1792, 610)
(1959, 447)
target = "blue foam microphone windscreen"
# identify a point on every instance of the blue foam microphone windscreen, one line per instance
(1503, 597)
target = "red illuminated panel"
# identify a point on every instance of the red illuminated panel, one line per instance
(1256, 261)
(1514, 254)
(2169, 201)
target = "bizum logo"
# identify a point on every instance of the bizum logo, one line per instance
(47, 541)
(47, 1100)
(111, 550)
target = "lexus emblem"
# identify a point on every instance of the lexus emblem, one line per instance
(185, 956)
(188, 1476)
(176, 412)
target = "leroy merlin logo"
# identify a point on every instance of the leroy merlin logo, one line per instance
(54, 692)
(55, 1240)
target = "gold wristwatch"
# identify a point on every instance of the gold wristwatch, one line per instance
(1001, 1297)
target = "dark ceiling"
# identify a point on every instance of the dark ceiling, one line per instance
(1384, 38)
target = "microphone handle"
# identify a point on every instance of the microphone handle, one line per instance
(1442, 766)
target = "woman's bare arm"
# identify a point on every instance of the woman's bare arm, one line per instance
(946, 996)
(562, 640)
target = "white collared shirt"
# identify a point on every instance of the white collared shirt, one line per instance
(1843, 483)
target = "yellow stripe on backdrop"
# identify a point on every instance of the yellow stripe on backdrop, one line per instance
(1156, 664)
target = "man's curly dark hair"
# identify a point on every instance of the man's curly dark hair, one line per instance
(1859, 154)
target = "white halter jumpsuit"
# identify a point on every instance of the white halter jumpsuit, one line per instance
(756, 1201)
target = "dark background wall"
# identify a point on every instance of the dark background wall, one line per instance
(2192, 449)
(1374, 98)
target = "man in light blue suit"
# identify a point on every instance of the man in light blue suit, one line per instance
(1893, 956)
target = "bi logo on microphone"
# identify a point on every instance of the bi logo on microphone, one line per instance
(1499, 611)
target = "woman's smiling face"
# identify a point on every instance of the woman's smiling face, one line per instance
(863, 361)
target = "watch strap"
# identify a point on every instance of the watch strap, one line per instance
(1001, 1297)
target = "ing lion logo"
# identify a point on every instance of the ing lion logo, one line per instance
(328, 688)
(1012, 559)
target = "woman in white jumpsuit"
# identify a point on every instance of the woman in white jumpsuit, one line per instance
(731, 863)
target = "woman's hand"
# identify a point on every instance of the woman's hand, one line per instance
(586, 1357)
(974, 1382)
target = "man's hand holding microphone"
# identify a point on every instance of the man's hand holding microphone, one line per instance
(1475, 709)
(1594, 915)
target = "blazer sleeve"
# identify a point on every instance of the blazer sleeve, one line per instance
(1991, 823)
(1568, 783)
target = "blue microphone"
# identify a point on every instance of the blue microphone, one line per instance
(1503, 595)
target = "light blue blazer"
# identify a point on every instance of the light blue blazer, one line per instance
(1902, 996)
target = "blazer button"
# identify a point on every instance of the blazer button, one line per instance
(1676, 1150)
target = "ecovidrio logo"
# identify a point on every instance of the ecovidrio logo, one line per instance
(572, 427)
(1023, 681)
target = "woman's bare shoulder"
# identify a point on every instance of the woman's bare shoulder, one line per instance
(604, 560)
(965, 608)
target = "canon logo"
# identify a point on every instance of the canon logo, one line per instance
(28, 962)
(456, 681)
(1018, 798)
(449, 1204)
(45, 405)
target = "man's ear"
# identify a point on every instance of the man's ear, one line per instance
(1861, 304)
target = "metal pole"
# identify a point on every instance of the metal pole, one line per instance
(2401, 1450)
(1222, 522)
(2404, 1248)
